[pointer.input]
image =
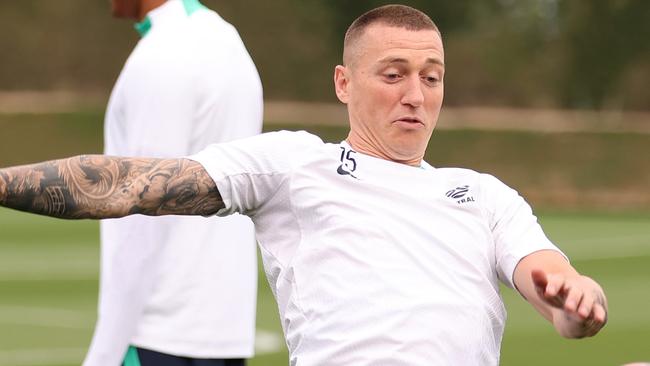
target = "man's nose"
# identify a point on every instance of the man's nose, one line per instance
(412, 94)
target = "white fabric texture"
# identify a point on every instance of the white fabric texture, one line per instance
(374, 262)
(179, 285)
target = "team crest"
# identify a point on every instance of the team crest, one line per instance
(460, 194)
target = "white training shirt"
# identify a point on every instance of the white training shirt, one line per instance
(374, 262)
(179, 285)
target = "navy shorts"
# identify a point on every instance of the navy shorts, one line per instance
(143, 357)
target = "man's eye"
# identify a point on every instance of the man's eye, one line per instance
(431, 79)
(392, 76)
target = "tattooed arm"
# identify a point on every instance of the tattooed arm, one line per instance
(98, 186)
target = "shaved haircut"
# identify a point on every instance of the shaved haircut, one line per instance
(400, 16)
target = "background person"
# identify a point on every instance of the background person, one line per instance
(374, 256)
(178, 286)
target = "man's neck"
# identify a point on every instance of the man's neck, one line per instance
(366, 147)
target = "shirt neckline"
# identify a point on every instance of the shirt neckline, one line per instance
(423, 164)
(144, 26)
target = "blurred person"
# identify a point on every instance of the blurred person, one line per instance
(373, 255)
(178, 287)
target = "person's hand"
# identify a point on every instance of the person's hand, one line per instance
(578, 302)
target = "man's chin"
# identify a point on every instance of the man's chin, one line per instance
(407, 155)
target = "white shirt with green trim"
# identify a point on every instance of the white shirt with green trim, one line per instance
(179, 285)
(374, 262)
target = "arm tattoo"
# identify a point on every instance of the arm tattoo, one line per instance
(97, 186)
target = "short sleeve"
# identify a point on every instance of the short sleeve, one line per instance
(515, 229)
(249, 172)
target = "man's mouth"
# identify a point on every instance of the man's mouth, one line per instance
(413, 120)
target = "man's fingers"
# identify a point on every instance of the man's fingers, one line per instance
(549, 287)
(556, 286)
(574, 298)
(600, 315)
(596, 321)
(539, 278)
(586, 305)
(540, 281)
(555, 292)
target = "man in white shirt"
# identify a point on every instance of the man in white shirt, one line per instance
(374, 256)
(178, 287)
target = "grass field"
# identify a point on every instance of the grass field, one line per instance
(48, 289)
(49, 268)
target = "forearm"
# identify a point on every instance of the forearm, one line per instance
(573, 303)
(552, 262)
(98, 186)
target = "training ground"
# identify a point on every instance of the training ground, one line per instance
(590, 189)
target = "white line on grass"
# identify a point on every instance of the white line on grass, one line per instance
(608, 239)
(268, 342)
(42, 356)
(46, 317)
(49, 275)
(604, 247)
(265, 342)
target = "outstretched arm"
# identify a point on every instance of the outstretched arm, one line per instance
(98, 186)
(575, 304)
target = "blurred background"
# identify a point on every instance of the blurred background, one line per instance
(551, 96)
(527, 53)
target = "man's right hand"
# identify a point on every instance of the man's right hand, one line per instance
(578, 303)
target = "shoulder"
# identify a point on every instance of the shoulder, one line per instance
(275, 145)
(207, 25)
(268, 153)
(459, 176)
(295, 146)
(203, 33)
(288, 140)
(469, 175)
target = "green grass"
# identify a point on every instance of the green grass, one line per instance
(48, 292)
(615, 250)
(49, 271)
(49, 268)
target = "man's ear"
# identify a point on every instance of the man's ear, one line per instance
(341, 83)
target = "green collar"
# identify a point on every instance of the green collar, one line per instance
(190, 6)
(143, 27)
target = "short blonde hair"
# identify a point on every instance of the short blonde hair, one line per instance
(400, 16)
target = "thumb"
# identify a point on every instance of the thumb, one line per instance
(540, 280)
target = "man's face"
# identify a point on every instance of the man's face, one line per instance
(125, 8)
(393, 86)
